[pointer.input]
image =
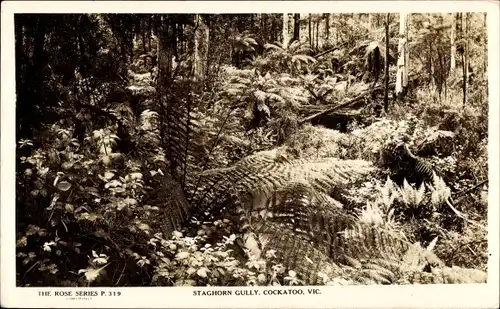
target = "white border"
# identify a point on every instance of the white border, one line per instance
(438, 296)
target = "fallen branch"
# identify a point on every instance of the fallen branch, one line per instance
(351, 101)
(319, 98)
(463, 215)
(463, 192)
(330, 50)
(466, 191)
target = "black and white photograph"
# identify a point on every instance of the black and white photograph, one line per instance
(275, 150)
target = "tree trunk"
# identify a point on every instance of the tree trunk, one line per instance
(182, 39)
(296, 27)
(285, 30)
(467, 43)
(403, 59)
(431, 65)
(273, 35)
(164, 69)
(310, 31)
(201, 40)
(143, 39)
(369, 21)
(263, 27)
(386, 90)
(206, 34)
(252, 22)
(196, 51)
(317, 34)
(453, 45)
(150, 26)
(465, 58)
(327, 27)
(337, 28)
(175, 36)
(459, 37)
(485, 61)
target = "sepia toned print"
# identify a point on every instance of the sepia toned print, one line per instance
(251, 150)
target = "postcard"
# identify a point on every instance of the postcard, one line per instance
(240, 154)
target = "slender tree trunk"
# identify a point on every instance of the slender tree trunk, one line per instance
(271, 32)
(175, 36)
(201, 40)
(143, 39)
(196, 55)
(206, 46)
(310, 30)
(164, 70)
(296, 27)
(403, 60)
(263, 26)
(150, 26)
(274, 36)
(485, 61)
(337, 32)
(453, 45)
(312, 34)
(369, 21)
(317, 34)
(431, 65)
(465, 59)
(327, 27)
(265, 22)
(285, 30)
(459, 37)
(386, 90)
(182, 39)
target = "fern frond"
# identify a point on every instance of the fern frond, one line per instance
(238, 85)
(243, 78)
(303, 58)
(250, 41)
(270, 46)
(261, 96)
(382, 270)
(275, 97)
(169, 197)
(271, 170)
(296, 253)
(295, 45)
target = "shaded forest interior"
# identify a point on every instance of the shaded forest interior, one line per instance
(251, 149)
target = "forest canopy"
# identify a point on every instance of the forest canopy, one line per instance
(251, 149)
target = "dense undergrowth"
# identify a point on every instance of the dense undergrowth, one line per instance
(258, 197)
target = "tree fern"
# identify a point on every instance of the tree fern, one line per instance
(291, 60)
